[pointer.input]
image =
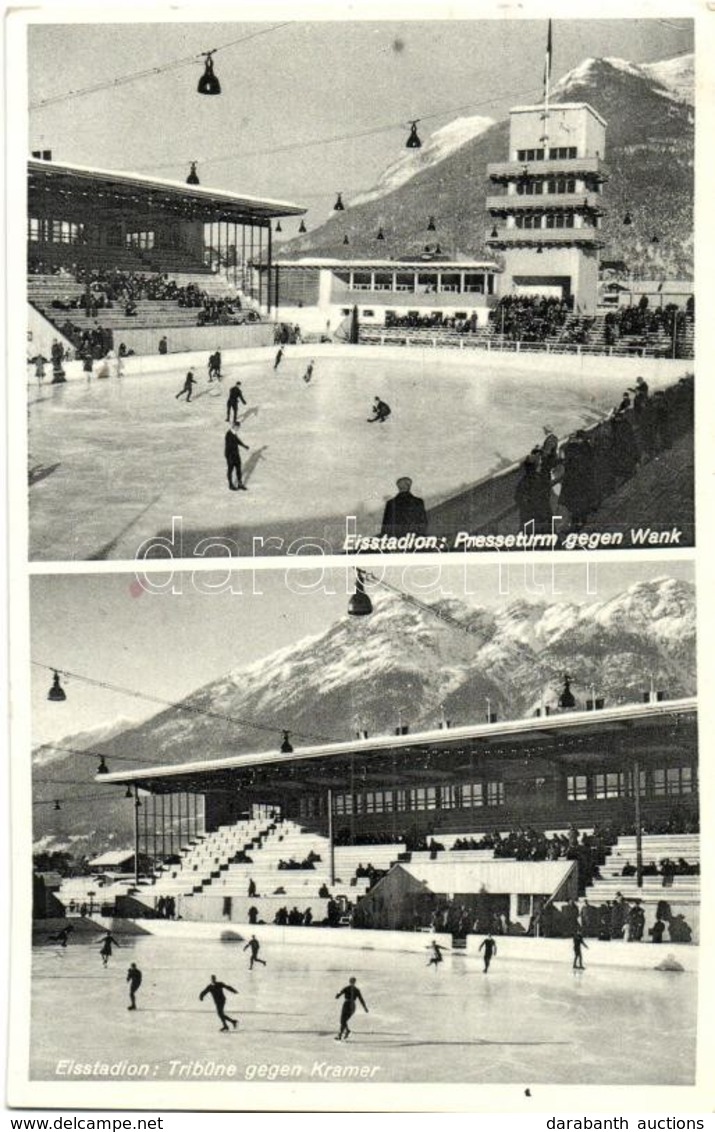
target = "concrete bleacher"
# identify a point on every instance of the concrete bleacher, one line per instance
(680, 890)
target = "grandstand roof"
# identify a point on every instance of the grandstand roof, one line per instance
(137, 191)
(323, 764)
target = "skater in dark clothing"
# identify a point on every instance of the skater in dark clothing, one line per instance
(216, 990)
(308, 375)
(134, 978)
(255, 947)
(106, 949)
(405, 513)
(436, 959)
(352, 996)
(578, 943)
(215, 366)
(489, 947)
(279, 357)
(62, 936)
(234, 396)
(232, 451)
(189, 384)
(381, 411)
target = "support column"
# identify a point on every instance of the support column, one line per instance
(136, 835)
(639, 832)
(153, 818)
(331, 836)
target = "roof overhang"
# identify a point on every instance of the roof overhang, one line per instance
(133, 189)
(628, 720)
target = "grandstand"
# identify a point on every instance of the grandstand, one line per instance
(83, 223)
(529, 813)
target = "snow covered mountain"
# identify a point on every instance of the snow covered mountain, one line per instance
(439, 145)
(675, 77)
(649, 154)
(402, 664)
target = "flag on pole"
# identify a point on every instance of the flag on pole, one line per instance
(547, 65)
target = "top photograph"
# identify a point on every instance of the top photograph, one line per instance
(351, 287)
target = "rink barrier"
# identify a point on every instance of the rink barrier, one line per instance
(351, 939)
(576, 366)
(598, 953)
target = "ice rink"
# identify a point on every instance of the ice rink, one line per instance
(525, 1022)
(112, 461)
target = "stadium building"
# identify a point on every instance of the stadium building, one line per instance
(322, 822)
(82, 220)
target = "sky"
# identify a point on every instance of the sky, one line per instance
(289, 87)
(110, 628)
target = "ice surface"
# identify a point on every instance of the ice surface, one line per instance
(528, 1022)
(114, 460)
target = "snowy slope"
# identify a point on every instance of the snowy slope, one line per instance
(436, 148)
(676, 75)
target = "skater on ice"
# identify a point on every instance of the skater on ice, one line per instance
(189, 383)
(436, 958)
(134, 978)
(235, 395)
(381, 411)
(308, 375)
(578, 943)
(232, 451)
(279, 357)
(61, 937)
(106, 949)
(489, 947)
(217, 991)
(254, 947)
(214, 366)
(352, 996)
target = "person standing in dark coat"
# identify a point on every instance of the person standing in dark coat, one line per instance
(234, 396)
(405, 513)
(232, 451)
(625, 456)
(533, 493)
(578, 488)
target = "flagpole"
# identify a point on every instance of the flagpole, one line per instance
(547, 91)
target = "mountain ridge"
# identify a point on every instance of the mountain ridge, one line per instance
(402, 664)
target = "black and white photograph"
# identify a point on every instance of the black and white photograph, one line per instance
(436, 275)
(473, 800)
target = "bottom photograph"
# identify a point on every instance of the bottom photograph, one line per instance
(374, 825)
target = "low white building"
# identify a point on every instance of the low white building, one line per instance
(319, 294)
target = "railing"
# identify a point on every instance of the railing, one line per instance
(496, 343)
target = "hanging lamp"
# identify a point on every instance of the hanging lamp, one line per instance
(208, 83)
(359, 604)
(413, 141)
(56, 693)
